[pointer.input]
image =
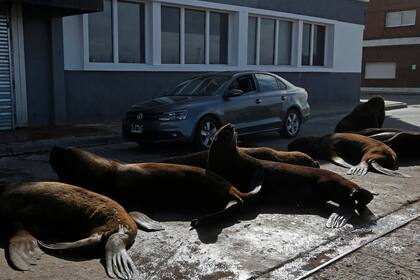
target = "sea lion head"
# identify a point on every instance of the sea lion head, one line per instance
(377, 102)
(308, 145)
(225, 138)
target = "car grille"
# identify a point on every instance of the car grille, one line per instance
(132, 116)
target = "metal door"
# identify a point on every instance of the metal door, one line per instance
(6, 101)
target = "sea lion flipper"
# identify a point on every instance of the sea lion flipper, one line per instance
(117, 261)
(23, 250)
(210, 218)
(340, 217)
(145, 222)
(375, 165)
(340, 162)
(361, 169)
(92, 240)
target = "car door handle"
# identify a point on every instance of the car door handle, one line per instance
(258, 101)
(283, 97)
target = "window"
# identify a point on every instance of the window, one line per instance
(129, 26)
(401, 18)
(267, 82)
(274, 41)
(195, 36)
(244, 83)
(380, 70)
(313, 45)
(218, 38)
(100, 35)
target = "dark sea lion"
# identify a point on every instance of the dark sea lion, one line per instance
(199, 159)
(353, 151)
(282, 180)
(370, 114)
(54, 209)
(148, 185)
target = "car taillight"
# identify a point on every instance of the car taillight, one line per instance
(306, 94)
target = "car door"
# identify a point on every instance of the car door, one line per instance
(239, 110)
(272, 96)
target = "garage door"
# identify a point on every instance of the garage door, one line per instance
(6, 102)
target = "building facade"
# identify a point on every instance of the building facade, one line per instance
(84, 66)
(391, 48)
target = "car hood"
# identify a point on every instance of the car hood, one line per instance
(168, 103)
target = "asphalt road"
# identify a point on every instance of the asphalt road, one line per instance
(281, 242)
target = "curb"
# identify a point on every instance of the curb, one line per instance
(14, 149)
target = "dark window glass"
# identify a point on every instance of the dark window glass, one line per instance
(306, 44)
(266, 82)
(252, 39)
(131, 32)
(201, 86)
(100, 35)
(244, 83)
(281, 85)
(319, 46)
(170, 24)
(194, 36)
(219, 38)
(285, 42)
(267, 37)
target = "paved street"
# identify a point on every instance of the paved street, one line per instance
(277, 242)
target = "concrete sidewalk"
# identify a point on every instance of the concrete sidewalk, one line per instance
(36, 140)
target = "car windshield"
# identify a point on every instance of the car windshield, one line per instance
(201, 86)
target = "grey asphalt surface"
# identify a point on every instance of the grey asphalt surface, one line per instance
(276, 242)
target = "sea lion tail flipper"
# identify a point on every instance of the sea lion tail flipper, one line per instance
(216, 216)
(23, 250)
(361, 169)
(145, 222)
(256, 183)
(375, 165)
(341, 216)
(91, 240)
(117, 261)
(340, 162)
(385, 136)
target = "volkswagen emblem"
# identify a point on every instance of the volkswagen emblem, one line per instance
(140, 116)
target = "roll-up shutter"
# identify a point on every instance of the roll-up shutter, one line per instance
(6, 101)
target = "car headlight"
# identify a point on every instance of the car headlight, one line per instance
(173, 116)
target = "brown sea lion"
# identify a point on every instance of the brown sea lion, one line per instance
(353, 151)
(148, 185)
(404, 143)
(199, 159)
(61, 210)
(282, 180)
(370, 114)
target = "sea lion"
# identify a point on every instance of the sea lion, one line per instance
(199, 159)
(353, 151)
(404, 143)
(148, 185)
(53, 208)
(282, 180)
(370, 114)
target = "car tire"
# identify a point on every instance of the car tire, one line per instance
(292, 123)
(205, 131)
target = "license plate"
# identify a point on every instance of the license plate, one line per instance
(136, 128)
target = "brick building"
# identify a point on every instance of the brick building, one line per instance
(391, 48)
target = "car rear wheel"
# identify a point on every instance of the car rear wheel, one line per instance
(205, 132)
(292, 122)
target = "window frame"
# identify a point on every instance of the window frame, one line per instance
(207, 12)
(401, 13)
(276, 40)
(311, 45)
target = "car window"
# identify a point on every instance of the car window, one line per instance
(267, 82)
(281, 84)
(244, 83)
(202, 86)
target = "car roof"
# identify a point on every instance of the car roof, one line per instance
(229, 73)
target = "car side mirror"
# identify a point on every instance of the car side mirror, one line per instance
(234, 92)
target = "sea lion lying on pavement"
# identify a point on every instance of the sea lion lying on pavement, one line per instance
(53, 208)
(353, 151)
(148, 185)
(282, 180)
(199, 159)
(404, 143)
(370, 114)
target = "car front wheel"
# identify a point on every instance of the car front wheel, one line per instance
(205, 132)
(292, 122)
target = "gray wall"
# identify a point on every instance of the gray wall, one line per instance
(106, 96)
(37, 37)
(343, 10)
